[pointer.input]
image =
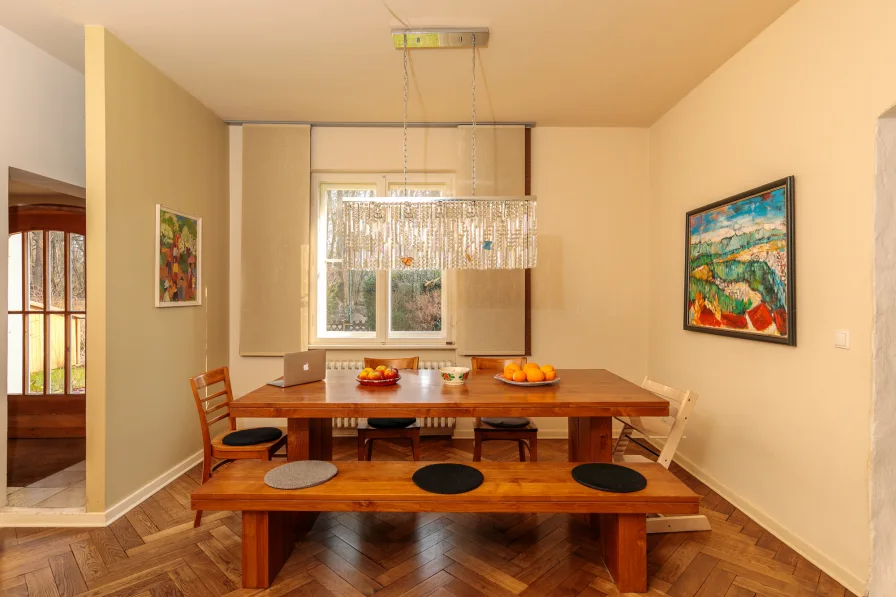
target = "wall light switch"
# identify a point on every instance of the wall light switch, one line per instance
(841, 339)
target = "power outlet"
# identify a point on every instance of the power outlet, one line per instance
(841, 339)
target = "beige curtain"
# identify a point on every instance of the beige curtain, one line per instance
(491, 305)
(275, 237)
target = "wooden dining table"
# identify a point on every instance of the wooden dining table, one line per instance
(590, 398)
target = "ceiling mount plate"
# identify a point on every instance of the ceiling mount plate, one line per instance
(440, 38)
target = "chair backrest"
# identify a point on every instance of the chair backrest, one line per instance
(411, 363)
(214, 406)
(495, 363)
(671, 428)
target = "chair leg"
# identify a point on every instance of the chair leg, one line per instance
(369, 449)
(415, 446)
(206, 473)
(362, 448)
(477, 445)
(533, 448)
(522, 446)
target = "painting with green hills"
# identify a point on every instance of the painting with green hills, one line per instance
(739, 276)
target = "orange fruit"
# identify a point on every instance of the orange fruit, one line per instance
(530, 366)
(550, 375)
(547, 368)
(363, 374)
(519, 376)
(535, 375)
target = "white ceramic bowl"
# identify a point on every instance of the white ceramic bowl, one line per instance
(454, 376)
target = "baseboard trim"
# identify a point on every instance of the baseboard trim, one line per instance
(135, 499)
(542, 433)
(72, 517)
(794, 541)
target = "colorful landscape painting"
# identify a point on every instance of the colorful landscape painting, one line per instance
(178, 259)
(739, 276)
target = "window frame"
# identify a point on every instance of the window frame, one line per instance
(383, 336)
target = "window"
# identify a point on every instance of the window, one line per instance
(47, 295)
(373, 307)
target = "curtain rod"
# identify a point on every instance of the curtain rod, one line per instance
(528, 125)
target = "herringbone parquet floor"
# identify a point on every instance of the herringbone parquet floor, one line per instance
(154, 552)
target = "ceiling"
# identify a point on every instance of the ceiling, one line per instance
(552, 62)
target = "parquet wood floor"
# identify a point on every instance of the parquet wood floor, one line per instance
(154, 551)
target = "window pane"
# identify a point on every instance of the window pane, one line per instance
(351, 299)
(35, 364)
(78, 273)
(416, 301)
(56, 270)
(79, 354)
(15, 276)
(36, 270)
(15, 360)
(57, 354)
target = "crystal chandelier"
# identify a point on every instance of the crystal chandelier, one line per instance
(440, 232)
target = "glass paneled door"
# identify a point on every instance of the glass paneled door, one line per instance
(47, 331)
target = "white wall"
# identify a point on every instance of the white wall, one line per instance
(783, 432)
(42, 132)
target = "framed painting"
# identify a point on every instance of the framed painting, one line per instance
(739, 266)
(178, 279)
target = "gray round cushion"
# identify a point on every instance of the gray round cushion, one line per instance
(300, 474)
(509, 422)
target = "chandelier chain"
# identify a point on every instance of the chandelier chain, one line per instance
(473, 111)
(405, 117)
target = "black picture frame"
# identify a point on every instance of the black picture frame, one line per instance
(789, 186)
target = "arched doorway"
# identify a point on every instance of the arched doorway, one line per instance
(46, 350)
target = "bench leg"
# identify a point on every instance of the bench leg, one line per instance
(624, 539)
(268, 538)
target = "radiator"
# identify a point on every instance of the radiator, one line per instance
(440, 424)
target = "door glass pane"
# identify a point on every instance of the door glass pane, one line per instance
(35, 331)
(416, 301)
(36, 271)
(56, 270)
(15, 276)
(78, 273)
(15, 360)
(79, 353)
(57, 354)
(350, 295)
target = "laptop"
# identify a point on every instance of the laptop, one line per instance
(302, 367)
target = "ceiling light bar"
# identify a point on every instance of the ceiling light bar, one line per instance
(440, 38)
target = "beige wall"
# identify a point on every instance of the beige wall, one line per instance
(148, 142)
(589, 291)
(571, 288)
(784, 432)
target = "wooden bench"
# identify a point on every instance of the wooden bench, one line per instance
(272, 517)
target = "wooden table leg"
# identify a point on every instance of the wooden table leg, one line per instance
(590, 439)
(309, 439)
(624, 539)
(268, 539)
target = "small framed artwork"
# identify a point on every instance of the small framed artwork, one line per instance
(739, 266)
(178, 249)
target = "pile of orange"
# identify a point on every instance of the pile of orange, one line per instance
(530, 372)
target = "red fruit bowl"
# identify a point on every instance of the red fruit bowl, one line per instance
(378, 383)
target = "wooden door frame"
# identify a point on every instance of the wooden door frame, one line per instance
(47, 415)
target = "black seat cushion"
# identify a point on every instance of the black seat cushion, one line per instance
(508, 422)
(609, 477)
(391, 423)
(448, 478)
(251, 437)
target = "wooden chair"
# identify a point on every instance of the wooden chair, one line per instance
(367, 433)
(643, 431)
(526, 437)
(214, 447)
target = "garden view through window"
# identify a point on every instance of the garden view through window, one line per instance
(368, 304)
